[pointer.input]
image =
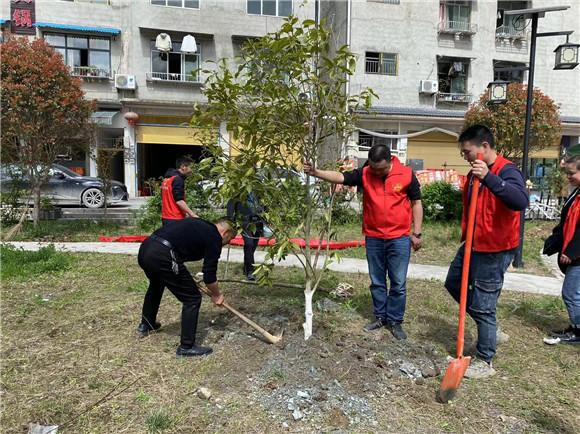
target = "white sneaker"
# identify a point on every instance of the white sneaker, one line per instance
(479, 368)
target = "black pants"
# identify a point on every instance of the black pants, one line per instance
(155, 259)
(251, 244)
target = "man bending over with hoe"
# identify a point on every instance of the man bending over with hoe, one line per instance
(501, 197)
(162, 255)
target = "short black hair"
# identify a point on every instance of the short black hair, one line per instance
(477, 134)
(573, 159)
(379, 153)
(185, 160)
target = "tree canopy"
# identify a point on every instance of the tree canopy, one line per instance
(283, 102)
(507, 121)
(43, 111)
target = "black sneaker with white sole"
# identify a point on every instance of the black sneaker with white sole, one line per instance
(397, 331)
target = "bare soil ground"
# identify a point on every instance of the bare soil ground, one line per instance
(70, 357)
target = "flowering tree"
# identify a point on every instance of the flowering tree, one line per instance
(43, 112)
(507, 121)
(283, 103)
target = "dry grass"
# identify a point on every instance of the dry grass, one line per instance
(74, 360)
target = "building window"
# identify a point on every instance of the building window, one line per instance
(366, 141)
(191, 4)
(394, 2)
(452, 75)
(454, 16)
(174, 65)
(381, 63)
(511, 76)
(275, 8)
(84, 55)
(510, 26)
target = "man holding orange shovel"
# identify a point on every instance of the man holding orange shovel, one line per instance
(501, 196)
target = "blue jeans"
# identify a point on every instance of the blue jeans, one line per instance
(571, 293)
(392, 257)
(486, 273)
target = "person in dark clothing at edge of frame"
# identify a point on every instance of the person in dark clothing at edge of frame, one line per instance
(569, 253)
(249, 212)
(173, 205)
(501, 197)
(161, 257)
(391, 201)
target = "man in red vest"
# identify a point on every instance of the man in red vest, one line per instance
(501, 197)
(173, 205)
(391, 201)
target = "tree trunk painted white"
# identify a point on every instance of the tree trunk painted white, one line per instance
(308, 313)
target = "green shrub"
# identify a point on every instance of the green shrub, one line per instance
(19, 262)
(342, 211)
(441, 201)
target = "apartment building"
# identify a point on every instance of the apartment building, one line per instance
(428, 60)
(137, 56)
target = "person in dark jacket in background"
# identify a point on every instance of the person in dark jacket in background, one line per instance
(249, 212)
(569, 255)
(173, 205)
(161, 257)
(501, 196)
(391, 204)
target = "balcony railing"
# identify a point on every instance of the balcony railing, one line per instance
(510, 32)
(454, 97)
(91, 71)
(387, 66)
(173, 77)
(460, 27)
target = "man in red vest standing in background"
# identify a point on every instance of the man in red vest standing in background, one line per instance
(173, 205)
(501, 197)
(391, 201)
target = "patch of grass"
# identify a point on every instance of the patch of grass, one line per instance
(142, 396)
(140, 287)
(28, 264)
(158, 422)
(74, 230)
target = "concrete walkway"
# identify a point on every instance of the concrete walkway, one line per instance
(513, 281)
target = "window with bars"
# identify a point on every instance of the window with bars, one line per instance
(366, 141)
(394, 2)
(381, 63)
(174, 65)
(275, 8)
(456, 15)
(84, 55)
(190, 4)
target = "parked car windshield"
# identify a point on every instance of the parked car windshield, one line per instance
(65, 170)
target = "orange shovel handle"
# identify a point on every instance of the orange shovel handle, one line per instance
(466, 261)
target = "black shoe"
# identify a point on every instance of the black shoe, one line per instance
(192, 352)
(397, 331)
(572, 336)
(144, 329)
(558, 333)
(374, 326)
(251, 276)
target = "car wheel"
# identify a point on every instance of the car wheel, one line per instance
(93, 198)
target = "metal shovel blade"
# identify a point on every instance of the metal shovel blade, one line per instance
(453, 376)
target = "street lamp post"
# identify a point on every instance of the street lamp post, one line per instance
(534, 14)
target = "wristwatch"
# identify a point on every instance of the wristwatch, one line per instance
(417, 235)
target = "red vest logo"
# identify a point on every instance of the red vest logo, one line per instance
(397, 187)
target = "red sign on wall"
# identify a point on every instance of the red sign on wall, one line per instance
(22, 17)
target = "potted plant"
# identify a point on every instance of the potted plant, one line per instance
(48, 211)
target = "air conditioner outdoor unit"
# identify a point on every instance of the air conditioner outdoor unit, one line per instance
(428, 86)
(124, 81)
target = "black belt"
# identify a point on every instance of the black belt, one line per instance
(174, 263)
(162, 241)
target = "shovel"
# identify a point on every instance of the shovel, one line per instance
(457, 367)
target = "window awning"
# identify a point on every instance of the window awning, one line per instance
(83, 28)
(105, 118)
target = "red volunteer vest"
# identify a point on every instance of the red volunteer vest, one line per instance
(571, 223)
(169, 209)
(386, 207)
(497, 227)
